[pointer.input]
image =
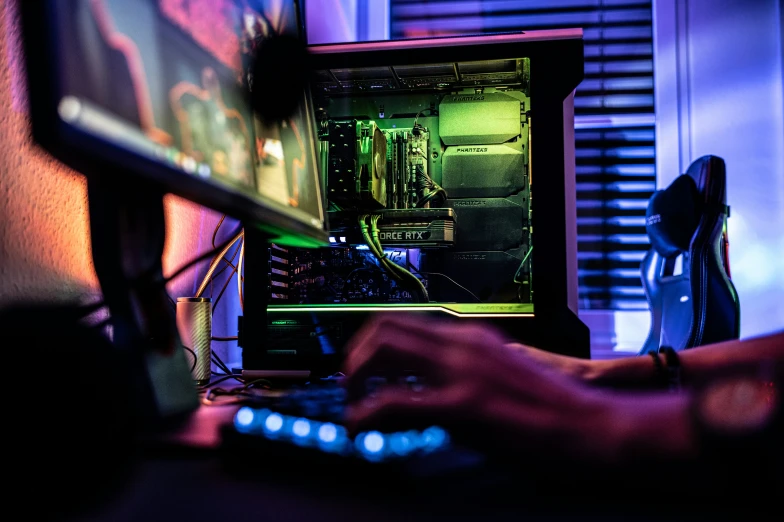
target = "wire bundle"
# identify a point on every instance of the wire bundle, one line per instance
(212, 273)
(397, 272)
(426, 184)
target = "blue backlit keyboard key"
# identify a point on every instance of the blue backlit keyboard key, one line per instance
(331, 437)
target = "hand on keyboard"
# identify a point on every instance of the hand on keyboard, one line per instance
(469, 386)
(475, 387)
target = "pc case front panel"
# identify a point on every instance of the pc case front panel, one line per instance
(427, 149)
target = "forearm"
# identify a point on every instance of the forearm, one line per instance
(697, 364)
(625, 372)
(705, 362)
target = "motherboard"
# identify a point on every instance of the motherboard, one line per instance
(336, 276)
(428, 190)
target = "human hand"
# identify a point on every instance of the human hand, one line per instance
(474, 386)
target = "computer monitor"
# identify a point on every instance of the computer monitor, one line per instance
(147, 97)
(157, 90)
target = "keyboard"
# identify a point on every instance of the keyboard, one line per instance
(322, 401)
(311, 417)
(305, 429)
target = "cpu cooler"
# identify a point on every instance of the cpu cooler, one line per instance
(357, 165)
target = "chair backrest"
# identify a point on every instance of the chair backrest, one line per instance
(687, 227)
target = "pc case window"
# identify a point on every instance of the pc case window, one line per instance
(427, 179)
(426, 171)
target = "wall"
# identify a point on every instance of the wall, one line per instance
(44, 243)
(330, 21)
(44, 236)
(718, 86)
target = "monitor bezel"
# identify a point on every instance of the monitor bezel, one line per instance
(92, 155)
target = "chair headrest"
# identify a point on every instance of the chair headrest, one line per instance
(673, 215)
(710, 175)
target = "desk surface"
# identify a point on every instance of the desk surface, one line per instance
(187, 479)
(202, 429)
(199, 489)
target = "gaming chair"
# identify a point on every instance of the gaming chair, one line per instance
(688, 219)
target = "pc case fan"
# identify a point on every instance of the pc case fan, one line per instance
(357, 164)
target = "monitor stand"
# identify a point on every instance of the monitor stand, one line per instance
(127, 232)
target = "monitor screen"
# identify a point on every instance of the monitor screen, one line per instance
(165, 80)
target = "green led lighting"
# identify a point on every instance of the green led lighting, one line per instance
(289, 239)
(456, 309)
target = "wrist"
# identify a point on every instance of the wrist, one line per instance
(596, 372)
(634, 372)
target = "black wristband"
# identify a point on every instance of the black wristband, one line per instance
(673, 373)
(667, 376)
(660, 373)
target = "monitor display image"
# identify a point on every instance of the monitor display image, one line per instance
(168, 80)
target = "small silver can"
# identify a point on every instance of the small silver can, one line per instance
(194, 324)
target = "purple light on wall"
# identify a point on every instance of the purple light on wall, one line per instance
(16, 68)
(330, 21)
(333, 21)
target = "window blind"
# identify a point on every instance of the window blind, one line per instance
(614, 122)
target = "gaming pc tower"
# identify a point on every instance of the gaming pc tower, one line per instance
(444, 162)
